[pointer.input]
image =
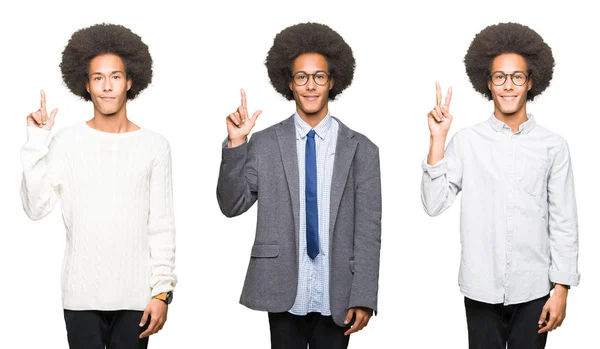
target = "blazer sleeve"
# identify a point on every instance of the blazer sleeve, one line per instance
(367, 234)
(237, 185)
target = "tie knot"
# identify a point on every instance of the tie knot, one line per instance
(311, 134)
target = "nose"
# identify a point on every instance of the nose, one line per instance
(508, 84)
(107, 85)
(310, 84)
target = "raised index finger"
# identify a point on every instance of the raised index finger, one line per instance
(243, 98)
(43, 100)
(448, 97)
(438, 94)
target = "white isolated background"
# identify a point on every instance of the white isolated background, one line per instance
(203, 53)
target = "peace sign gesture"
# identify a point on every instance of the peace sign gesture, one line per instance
(40, 117)
(439, 118)
(239, 124)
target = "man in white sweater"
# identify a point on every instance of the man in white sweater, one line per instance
(114, 181)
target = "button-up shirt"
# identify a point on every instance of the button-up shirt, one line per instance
(313, 274)
(518, 214)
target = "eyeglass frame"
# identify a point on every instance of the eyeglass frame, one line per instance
(527, 76)
(311, 75)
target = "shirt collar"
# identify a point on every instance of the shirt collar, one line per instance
(321, 129)
(524, 128)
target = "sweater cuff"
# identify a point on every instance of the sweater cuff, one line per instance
(436, 170)
(37, 137)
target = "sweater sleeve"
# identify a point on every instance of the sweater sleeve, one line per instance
(42, 164)
(161, 226)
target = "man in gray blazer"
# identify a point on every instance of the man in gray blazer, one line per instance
(314, 265)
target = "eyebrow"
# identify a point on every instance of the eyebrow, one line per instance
(316, 71)
(502, 71)
(111, 73)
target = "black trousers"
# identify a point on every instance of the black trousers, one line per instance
(95, 329)
(493, 326)
(289, 331)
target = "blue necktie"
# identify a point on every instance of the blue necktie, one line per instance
(310, 190)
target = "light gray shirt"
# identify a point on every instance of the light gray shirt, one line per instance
(518, 223)
(313, 274)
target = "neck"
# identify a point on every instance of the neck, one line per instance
(512, 120)
(313, 119)
(115, 123)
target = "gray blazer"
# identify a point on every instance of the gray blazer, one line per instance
(266, 169)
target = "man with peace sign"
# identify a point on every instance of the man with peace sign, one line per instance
(113, 179)
(518, 215)
(314, 265)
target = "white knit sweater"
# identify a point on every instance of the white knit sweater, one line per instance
(117, 206)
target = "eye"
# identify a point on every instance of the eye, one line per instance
(519, 77)
(97, 78)
(116, 77)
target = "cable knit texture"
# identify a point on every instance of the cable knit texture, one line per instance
(115, 191)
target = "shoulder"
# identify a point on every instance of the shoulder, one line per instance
(154, 138)
(551, 137)
(70, 132)
(270, 133)
(364, 143)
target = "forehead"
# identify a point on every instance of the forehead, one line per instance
(310, 62)
(106, 63)
(509, 62)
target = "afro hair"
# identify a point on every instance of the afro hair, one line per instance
(509, 38)
(99, 39)
(309, 38)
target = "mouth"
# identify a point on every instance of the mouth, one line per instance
(508, 98)
(107, 98)
(310, 98)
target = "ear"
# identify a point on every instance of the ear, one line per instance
(489, 83)
(290, 84)
(128, 84)
(529, 84)
(331, 81)
(87, 86)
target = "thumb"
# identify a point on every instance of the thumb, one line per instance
(145, 317)
(255, 115)
(349, 316)
(53, 113)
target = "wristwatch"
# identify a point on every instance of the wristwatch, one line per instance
(166, 297)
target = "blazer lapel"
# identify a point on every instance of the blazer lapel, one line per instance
(286, 137)
(344, 154)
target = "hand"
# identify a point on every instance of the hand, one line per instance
(362, 316)
(40, 117)
(554, 310)
(439, 118)
(239, 124)
(157, 310)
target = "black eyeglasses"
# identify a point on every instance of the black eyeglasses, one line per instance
(320, 78)
(518, 78)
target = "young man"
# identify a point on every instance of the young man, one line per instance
(114, 181)
(314, 265)
(518, 214)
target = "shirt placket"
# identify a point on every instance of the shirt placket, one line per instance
(313, 280)
(510, 213)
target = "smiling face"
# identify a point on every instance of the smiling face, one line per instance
(509, 99)
(311, 99)
(108, 85)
